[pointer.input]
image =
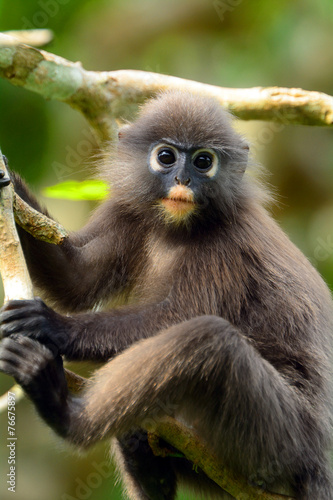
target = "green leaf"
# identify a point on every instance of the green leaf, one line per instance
(75, 190)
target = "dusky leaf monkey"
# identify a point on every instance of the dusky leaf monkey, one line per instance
(225, 321)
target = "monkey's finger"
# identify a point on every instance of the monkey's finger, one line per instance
(11, 356)
(18, 345)
(8, 368)
(21, 345)
(34, 324)
(19, 349)
(17, 367)
(18, 304)
(16, 314)
(8, 358)
(20, 309)
(4, 179)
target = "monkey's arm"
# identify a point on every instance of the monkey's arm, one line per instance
(202, 370)
(88, 336)
(87, 267)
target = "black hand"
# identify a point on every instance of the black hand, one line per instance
(4, 180)
(34, 319)
(41, 375)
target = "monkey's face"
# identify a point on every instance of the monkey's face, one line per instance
(183, 174)
(181, 160)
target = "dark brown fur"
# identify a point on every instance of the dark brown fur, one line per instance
(231, 325)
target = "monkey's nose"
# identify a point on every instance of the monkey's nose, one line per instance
(184, 183)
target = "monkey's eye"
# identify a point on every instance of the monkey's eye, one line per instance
(206, 161)
(203, 161)
(162, 157)
(166, 157)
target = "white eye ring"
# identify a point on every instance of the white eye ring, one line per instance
(154, 162)
(212, 170)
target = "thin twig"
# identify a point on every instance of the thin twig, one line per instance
(37, 224)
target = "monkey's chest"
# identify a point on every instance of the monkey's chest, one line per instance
(157, 274)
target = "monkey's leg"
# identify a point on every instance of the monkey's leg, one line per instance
(206, 372)
(40, 373)
(213, 378)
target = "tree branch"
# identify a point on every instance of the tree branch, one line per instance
(184, 439)
(37, 224)
(13, 269)
(104, 96)
(37, 38)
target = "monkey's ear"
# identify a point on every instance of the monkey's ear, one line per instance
(242, 165)
(122, 131)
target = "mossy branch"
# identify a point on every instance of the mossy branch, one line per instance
(13, 268)
(37, 224)
(103, 97)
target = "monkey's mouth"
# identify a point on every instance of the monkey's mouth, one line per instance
(177, 208)
(179, 202)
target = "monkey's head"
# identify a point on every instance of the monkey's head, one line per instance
(182, 159)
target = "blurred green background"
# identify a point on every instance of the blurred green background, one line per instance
(242, 43)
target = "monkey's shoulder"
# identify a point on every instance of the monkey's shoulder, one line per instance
(254, 270)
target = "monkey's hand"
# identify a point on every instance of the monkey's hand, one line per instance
(4, 179)
(34, 319)
(41, 375)
(19, 186)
